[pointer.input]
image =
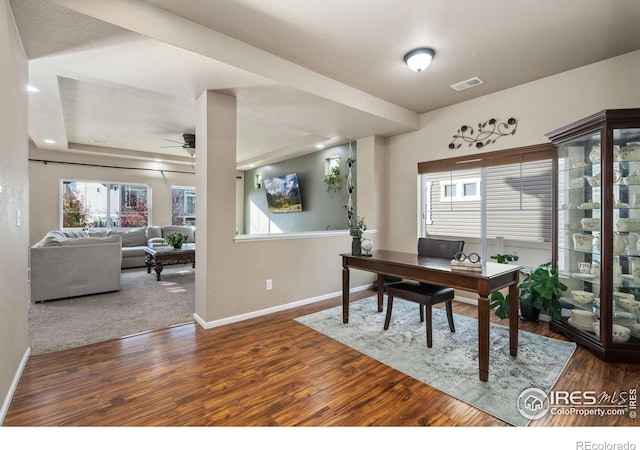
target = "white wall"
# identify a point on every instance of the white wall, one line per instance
(539, 107)
(14, 197)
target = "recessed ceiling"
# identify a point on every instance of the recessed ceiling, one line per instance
(128, 72)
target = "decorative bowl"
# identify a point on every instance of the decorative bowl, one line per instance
(593, 180)
(620, 334)
(629, 304)
(618, 296)
(590, 224)
(630, 152)
(582, 241)
(627, 224)
(583, 297)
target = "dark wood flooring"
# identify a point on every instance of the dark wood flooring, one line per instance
(267, 371)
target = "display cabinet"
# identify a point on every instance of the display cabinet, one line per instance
(597, 232)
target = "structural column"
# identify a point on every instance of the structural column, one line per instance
(216, 118)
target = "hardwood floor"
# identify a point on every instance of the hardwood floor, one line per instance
(268, 371)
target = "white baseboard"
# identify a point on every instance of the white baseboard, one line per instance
(14, 385)
(226, 321)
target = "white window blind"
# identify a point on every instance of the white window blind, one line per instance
(518, 203)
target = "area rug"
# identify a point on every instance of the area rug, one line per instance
(142, 304)
(451, 365)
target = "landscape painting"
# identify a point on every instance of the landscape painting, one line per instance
(283, 193)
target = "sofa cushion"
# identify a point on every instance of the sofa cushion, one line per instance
(132, 237)
(97, 232)
(132, 252)
(52, 239)
(154, 232)
(91, 240)
(189, 231)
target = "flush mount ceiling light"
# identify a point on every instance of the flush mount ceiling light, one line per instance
(419, 59)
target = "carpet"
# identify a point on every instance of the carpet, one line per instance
(142, 304)
(451, 365)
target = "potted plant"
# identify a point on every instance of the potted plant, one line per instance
(177, 239)
(541, 290)
(334, 179)
(356, 228)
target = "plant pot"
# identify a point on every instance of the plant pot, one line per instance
(529, 313)
(177, 246)
(356, 247)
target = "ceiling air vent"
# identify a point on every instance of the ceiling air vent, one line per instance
(471, 82)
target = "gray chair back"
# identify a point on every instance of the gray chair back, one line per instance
(439, 248)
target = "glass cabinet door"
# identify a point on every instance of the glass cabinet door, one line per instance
(580, 225)
(625, 293)
(585, 210)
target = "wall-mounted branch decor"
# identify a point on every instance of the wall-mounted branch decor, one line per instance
(488, 132)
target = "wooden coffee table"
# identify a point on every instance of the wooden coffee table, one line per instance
(158, 257)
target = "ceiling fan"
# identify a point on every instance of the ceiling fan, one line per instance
(189, 143)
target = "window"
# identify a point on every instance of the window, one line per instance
(332, 163)
(460, 190)
(506, 196)
(183, 205)
(100, 204)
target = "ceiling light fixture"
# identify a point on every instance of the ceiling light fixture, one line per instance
(419, 59)
(49, 141)
(319, 146)
(32, 88)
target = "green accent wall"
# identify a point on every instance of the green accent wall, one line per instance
(321, 210)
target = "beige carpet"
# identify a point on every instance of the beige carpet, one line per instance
(142, 304)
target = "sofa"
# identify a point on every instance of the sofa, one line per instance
(69, 263)
(63, 267)
(134, 240)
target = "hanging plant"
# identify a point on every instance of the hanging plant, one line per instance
(334, 179)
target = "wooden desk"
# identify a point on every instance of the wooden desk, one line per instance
(493, 277)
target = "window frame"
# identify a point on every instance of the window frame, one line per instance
(520, 155)
(122, 187)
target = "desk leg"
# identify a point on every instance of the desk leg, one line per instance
(345, 295)
(514, 308)
(483, 337)
(380, 291)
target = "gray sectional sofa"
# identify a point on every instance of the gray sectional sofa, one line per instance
(70, 263)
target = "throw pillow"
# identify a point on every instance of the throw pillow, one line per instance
(76, 233)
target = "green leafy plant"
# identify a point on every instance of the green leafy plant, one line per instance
(542, 289)
(334, 179)
(357, 227)
(177, 239)
(497, 300)
(504, 258)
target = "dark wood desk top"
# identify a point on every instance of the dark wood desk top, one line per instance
(438, 270)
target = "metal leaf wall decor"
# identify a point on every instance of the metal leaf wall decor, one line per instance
(488, 132)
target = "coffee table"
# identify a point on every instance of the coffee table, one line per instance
(158, 257)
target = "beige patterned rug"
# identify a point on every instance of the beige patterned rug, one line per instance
(451, 365)
(142, 304)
